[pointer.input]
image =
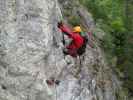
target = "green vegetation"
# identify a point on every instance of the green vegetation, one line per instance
(120, 94)
(115, 17)
(74, 20)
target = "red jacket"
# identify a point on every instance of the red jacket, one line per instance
(77, 39)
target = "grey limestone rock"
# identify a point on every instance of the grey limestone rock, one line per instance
(31, 53)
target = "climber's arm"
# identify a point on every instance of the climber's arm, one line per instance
(65, 30)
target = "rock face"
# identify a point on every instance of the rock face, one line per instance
(31, 52)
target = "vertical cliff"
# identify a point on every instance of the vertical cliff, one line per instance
(31, 52)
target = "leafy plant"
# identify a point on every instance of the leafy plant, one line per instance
(74, 20)
(117, 21)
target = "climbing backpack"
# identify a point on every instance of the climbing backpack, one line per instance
(82, 49)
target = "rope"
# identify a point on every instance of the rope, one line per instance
(79, 81)
(80, 61)
(63, 39)
(30, 86)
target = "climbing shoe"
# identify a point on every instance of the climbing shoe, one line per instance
(57, 82)
(50, 82)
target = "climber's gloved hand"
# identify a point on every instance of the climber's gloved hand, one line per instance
(60, 24)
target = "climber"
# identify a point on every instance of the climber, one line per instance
(52, 81)
(77, 29)
(87, 36)
(77, 40)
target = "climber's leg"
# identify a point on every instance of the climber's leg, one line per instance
(71, 52)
